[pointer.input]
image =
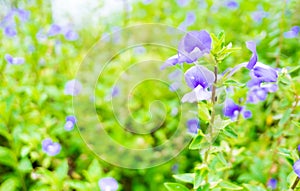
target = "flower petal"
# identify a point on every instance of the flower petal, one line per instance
(199, 75)
(251, 45)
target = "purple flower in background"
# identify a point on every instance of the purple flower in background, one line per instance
(108, 184)
(70, 122)
(23, 14)
(296, 168)
(232, 110)
(175, 77)
(115, 91)
(54, 30)
(190, 18)
(193, 125)
(139, 50)
(200, 79)
(272, 183)
(252, 47)
(146, 2)
(71, 35)
(298, 148)
(257, 16)
(14, 60)
(232, 4)
(183, 3)
(41, 36)
(258, 93)
(10, 31)
(50, 147)
(73, 87)
(292, 33)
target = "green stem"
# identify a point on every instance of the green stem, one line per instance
(295, 183)
(213, 113)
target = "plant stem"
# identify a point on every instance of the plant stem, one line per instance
(212, 119)
(295, 183)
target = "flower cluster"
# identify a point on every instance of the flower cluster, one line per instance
(8, 24)
(55, 30)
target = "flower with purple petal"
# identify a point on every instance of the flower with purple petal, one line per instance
(146, 2)
(41, 36)
(292, 33)
(193, 125)
(50, 147)
(200, 79)
(232, 110)
(108, 184)
(115, 91)
(232, 4)
(259, 15)
(71, 35)
(251, 45)
(10, 31)
(193, 46)
(298, 148)
(73, 87)
(262, 73)
(272, 183)
(23, 14)
(183, 3)
(257, 94)
(70, 122)
(296, 168)
(14, 60)
(190, 18)
(54, 30)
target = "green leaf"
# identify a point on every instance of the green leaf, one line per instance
(7, 157)
(203, 112)
(196, 143)
(175, 187)
(200, 175)
(220, 123)
(94, 170)
(62, 169)
(187, 177)
(253, 188)
(229, 186)
(285, 117)
(25, 165)
(10, 184)
(230, 132)
(77, 185)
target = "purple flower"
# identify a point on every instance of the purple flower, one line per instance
(115, 91)
(14, 60)
(272, 183)
(193, 46)
(23, 14)
(71, 35)
(252, 47)
(193, 125)
(200, 79)
(298, 148)
(108, 184)
(232, 110)
(41, 36)
(296, 168)
(10, 31)
(73, 87)
(70, 122)
(183, 3)
(292, 33)
(262, 73)
(257, 16)
(54, 30)
(50, 147)
(190, 18)
(146, 2)
(232, 4)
